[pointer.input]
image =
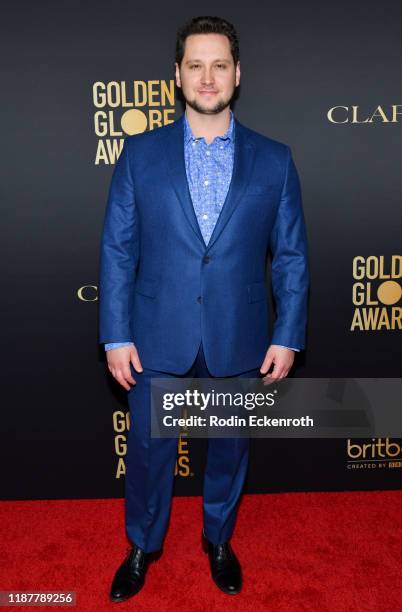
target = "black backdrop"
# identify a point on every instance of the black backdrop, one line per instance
(299, 60)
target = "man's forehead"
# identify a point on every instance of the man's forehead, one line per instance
(199, 59)
(206, 43)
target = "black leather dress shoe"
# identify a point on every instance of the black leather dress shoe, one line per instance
(225, 567)
(130, 577)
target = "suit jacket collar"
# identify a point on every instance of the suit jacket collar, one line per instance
(173, 141)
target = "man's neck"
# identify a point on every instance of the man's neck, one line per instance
(208, 126)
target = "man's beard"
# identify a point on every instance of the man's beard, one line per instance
(214, 110)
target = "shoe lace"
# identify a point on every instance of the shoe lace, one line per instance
(135, 556)
(223, 552)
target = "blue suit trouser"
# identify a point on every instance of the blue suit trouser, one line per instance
(150, 465)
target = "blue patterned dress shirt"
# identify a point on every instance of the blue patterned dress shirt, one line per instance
(209, 170)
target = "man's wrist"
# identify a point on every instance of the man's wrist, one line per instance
(113, 345)
(291, 348)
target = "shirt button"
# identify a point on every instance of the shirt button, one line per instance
(208, 152)
(206, 182)
(199, 299)
(205, 217)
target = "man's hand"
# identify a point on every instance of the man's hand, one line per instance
(118, 361)
(282, 358)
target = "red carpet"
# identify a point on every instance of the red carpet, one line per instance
(299, 551)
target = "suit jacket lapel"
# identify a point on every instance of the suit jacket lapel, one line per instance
(242, 165)
(174, 150)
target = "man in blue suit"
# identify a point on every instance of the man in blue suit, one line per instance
(194, 208)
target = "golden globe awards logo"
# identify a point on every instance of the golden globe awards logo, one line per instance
(124, 108)
(377, 293)
(121, 426)
(374, 454)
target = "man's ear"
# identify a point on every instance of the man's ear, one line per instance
(238, 73)
(177, 73)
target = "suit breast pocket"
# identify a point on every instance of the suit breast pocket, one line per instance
(260, 190)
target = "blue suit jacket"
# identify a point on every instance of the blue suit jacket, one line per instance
(163, 288)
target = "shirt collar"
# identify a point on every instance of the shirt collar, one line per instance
(188, 134)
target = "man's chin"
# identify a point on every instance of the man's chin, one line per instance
(212, 108)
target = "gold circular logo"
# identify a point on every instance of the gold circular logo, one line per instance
(389, 292)
(134, 121)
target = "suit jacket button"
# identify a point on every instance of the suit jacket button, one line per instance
(199, 299)
(206, 259)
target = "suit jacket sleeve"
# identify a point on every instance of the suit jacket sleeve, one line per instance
(290, 268)
(118, 255)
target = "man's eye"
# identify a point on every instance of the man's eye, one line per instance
(221, 65)
(194, 66)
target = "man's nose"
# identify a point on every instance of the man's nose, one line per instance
(207, 77)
